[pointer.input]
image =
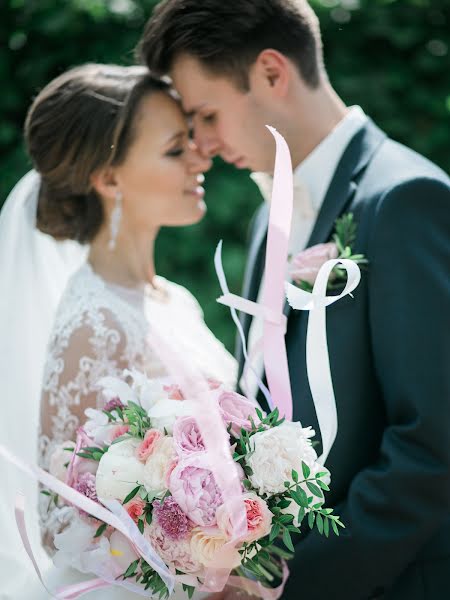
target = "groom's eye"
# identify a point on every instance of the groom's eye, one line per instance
(209, 118)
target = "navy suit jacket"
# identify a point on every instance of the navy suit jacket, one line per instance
(389, 352)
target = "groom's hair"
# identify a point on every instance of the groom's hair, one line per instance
(226, 36)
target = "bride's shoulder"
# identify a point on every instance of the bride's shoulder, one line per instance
(179, 295)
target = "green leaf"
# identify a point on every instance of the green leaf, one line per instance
(319, 523)
(335, 527)
(247, 484)
(294, 475)
(326, 527)
(140, 525)
(314, 489)
(101, 530)
(285, 519)
(299, 496)
(45, 493)
(287, 540)
(306, 470)
(274, 532)
(311, 519)
(149, 517)
(301, 514)
(323, 485)
(132, 494)
(131, 571)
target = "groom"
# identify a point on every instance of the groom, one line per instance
(241, 64)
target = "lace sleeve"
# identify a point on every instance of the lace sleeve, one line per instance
(78, 357)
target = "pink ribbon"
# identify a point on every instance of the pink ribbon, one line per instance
(275, 356)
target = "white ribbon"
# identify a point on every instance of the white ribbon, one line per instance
(317, 357)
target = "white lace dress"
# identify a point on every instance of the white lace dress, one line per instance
(101, 329)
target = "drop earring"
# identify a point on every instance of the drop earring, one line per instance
(116, 217)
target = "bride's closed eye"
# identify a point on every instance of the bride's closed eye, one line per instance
(175, 152)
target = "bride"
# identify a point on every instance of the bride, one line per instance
(113, 164)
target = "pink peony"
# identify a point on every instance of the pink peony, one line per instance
(187, 437)
(237, 410)
(147, 446)
(135, 508)
(175, 553)
(259, 517)
(306, 265)
(193, 486)
(175, 524)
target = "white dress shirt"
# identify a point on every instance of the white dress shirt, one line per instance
(312, 179)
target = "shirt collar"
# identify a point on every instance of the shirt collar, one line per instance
(317, 169)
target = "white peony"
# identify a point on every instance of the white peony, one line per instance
(155, 470)
(207, 548)
(278, 451)
(119, 470)
(59, 460)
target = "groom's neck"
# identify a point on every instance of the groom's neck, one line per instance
(313, 115)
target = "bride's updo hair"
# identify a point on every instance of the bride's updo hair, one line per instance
(81, 121)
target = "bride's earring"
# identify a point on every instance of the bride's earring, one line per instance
(116, 217)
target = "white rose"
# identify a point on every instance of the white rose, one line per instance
(147, 391)
(59, 460)
(207, 548)
(154, 476)
(278, 451)
(164, 413)
(119, 470)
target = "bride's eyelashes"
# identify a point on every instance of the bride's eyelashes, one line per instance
(175, 152)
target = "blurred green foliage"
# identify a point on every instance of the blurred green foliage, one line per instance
(389, 56)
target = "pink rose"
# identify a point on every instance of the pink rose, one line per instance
(187, 437)
(237, 410)
(259, 518)
(147, 446)
(306, 265)
(118, 431)
(194, 488)
(135, 508)
(170, 468)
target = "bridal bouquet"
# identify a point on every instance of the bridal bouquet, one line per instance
(145, 450)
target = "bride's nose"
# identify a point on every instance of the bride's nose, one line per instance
(197, 162)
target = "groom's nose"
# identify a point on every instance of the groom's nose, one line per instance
(207, 144)
(198, 162)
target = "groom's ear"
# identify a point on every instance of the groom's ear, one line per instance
(104, 182)
(271, 73)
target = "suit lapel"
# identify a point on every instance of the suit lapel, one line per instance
(253, 274)
(339, 195)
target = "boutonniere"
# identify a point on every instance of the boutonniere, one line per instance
(305, 265)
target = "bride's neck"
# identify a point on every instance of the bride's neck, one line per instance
(130, 264)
